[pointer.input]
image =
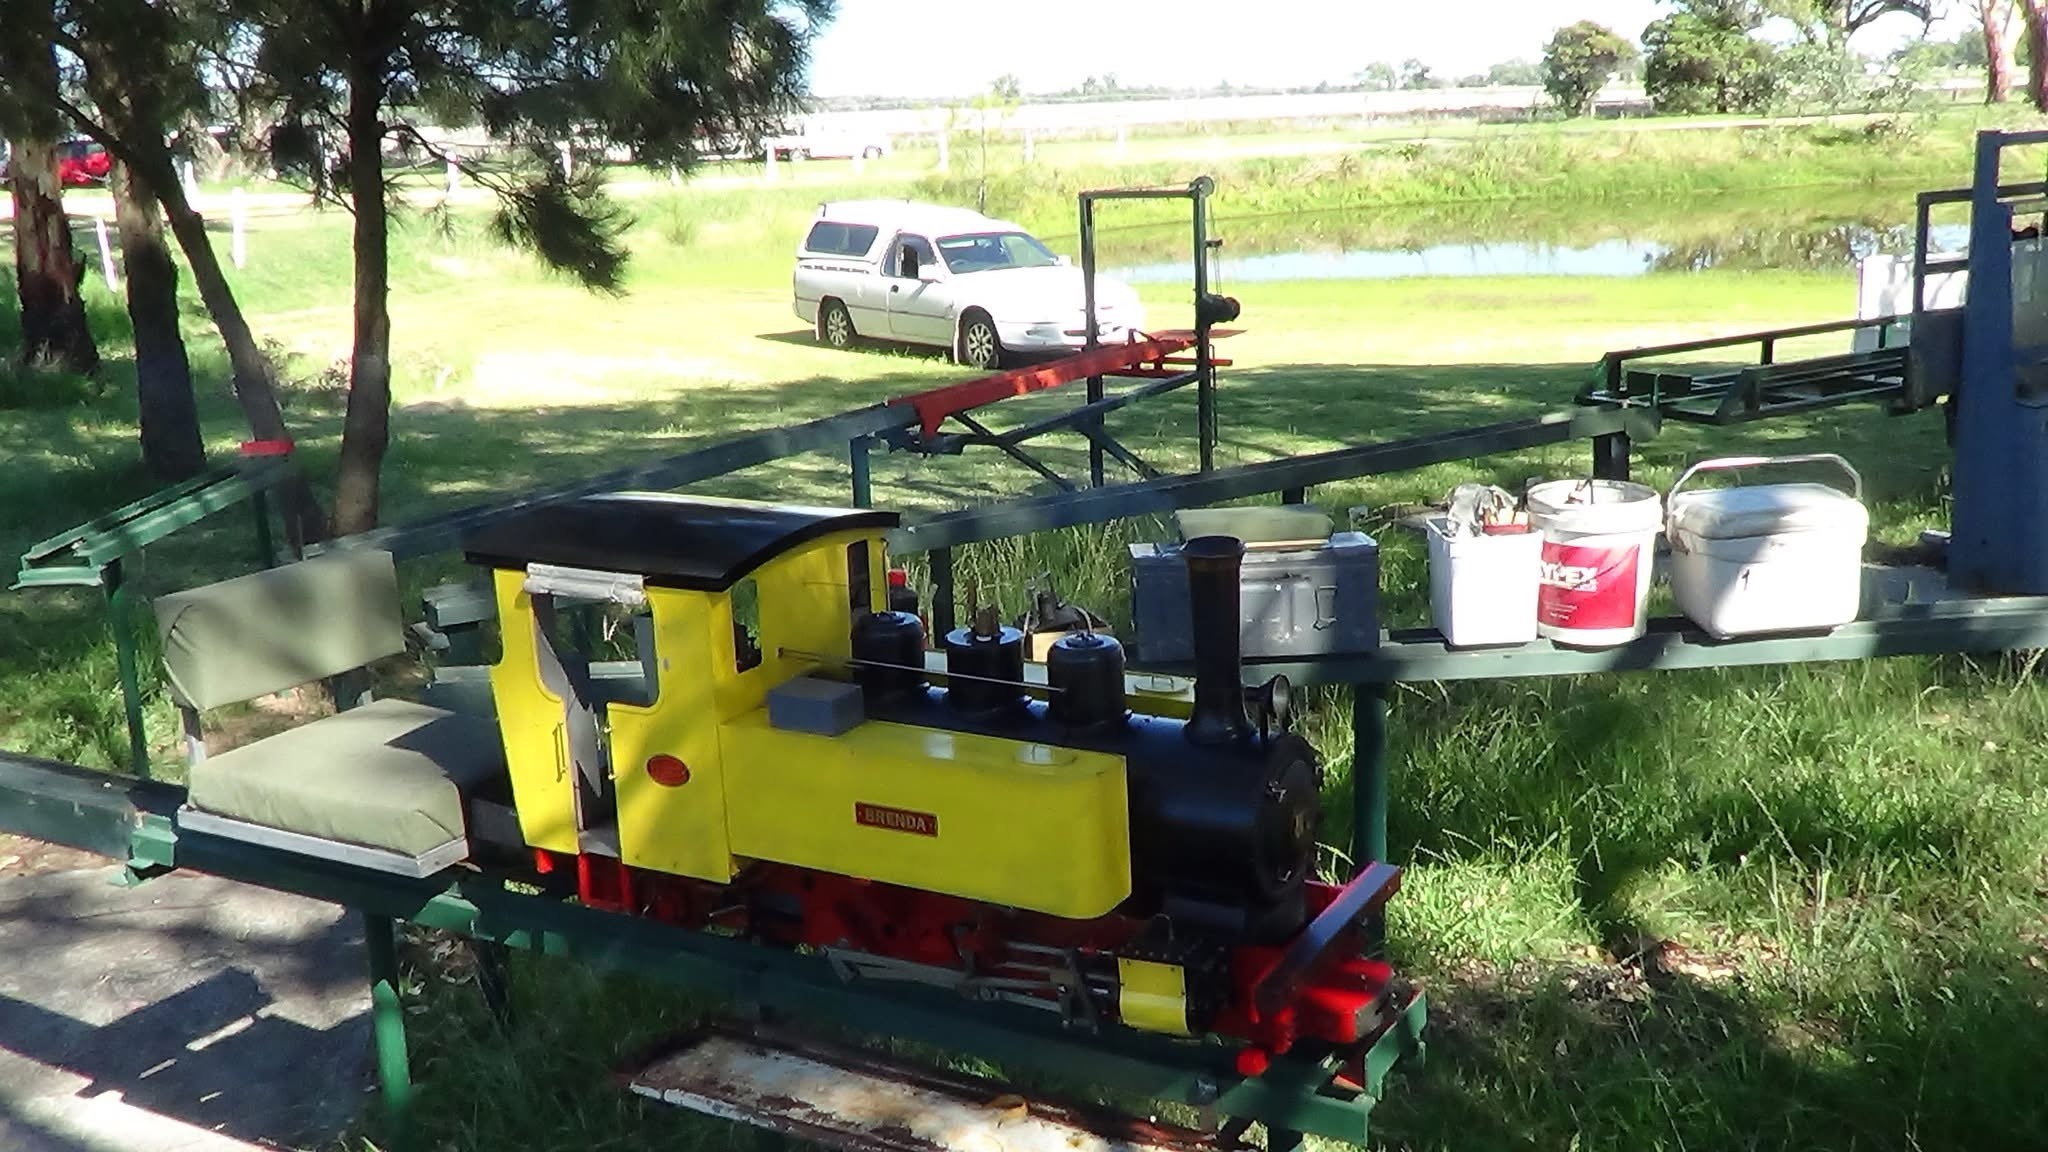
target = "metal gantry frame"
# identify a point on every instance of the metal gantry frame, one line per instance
(1196, 193)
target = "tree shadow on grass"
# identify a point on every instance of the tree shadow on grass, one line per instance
(1609, 1057)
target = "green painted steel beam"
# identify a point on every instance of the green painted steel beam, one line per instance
(797, 987)
(157, 523)
(67, 576)
(77, 807)
(163, 496)
(444, 531)
(1991, 624)
(154, 517)
(1097, 505)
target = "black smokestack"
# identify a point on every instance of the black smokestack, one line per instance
(1213, 566)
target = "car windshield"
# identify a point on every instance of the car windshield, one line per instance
(986, 251)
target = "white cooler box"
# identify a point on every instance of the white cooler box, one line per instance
(1767, 557)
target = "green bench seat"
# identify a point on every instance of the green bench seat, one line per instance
(391, 774)
(384, 784)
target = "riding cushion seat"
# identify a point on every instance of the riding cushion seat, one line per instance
(390, 774)
(1255, 524)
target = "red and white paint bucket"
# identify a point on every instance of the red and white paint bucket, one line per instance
(1599, 553)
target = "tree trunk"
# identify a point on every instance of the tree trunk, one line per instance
(255, 380)
(2000, 51)
(171, 447)
(366, 431)
(47, 274)
(131, 125)
(2036, 13)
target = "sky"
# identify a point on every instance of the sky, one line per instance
(954, 48)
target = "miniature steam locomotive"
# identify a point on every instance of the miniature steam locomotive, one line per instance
(779, 763)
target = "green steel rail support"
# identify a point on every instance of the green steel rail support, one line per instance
(119, 602)
(1610, 456)
(1369, 792)
(857, 451)
(387, 1019)
(942, 591)
(266, 546)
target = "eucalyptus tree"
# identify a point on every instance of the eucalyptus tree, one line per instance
(47, 274)
(656, 77)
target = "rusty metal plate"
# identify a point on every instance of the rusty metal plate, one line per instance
(856, 1100)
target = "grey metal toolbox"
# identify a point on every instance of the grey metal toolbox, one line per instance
(1316, 601)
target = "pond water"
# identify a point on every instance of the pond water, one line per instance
(1513, 240)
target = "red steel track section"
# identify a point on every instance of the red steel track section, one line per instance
(1153, 356)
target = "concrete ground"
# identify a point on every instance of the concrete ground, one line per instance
(188, 1014)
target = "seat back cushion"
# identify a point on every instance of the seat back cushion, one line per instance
(279, 628)
(1255, 524)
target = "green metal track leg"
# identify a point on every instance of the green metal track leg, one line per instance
(387, 1020)
(266, 545)
(1369, 790)
(119, 599)
(857, 451)
(494, 981)
(1610, 456)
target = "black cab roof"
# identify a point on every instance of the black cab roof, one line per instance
(703, 543)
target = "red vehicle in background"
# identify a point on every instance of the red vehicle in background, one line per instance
(80, 164)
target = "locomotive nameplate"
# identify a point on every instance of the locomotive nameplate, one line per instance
(895, 819)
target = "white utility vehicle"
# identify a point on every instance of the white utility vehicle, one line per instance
(926, 274)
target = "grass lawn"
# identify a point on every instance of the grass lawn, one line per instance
(1844, 865)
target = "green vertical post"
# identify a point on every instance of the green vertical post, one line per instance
(1610, 456)
(387, 1025)
(863, 485)
(119, 599)
(1369, 790)
(266, 547)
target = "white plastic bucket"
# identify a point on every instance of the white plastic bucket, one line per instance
(1482, 589)
(1599, 554)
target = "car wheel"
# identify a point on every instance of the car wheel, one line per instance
(835, 325)
(871, 153)
(980, 347)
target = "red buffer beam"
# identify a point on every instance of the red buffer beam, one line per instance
(1140, 357)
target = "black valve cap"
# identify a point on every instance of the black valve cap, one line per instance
(1215, 309)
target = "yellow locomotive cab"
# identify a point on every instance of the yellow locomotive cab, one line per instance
(694, 778)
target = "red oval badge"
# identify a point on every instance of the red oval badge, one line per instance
(667, 771)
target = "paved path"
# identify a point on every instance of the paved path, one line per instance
(189, 1014)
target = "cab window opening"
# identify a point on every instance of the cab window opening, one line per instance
(746, 625)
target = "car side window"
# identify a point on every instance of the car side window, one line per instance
(927, 260)
(831, 238)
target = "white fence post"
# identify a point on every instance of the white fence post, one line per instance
(1123, 144)
(568, 164)
(99, 231)
(768, 173)
(454, 177)
(943, 162)
(1027, 144)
